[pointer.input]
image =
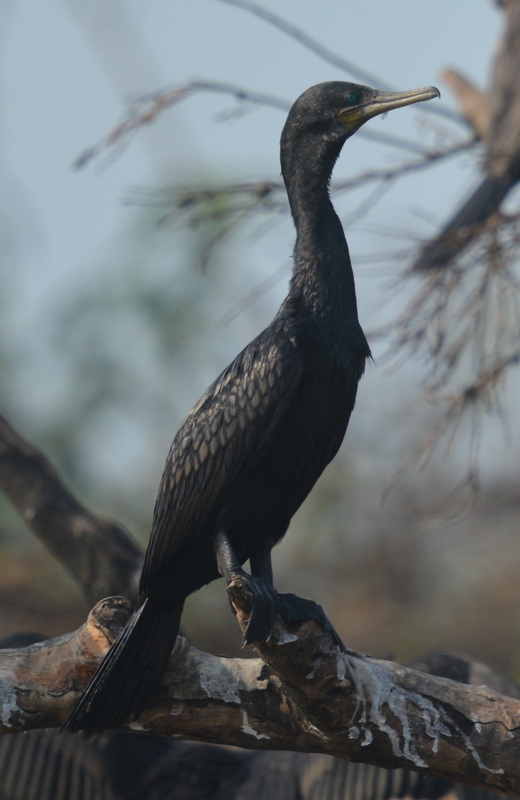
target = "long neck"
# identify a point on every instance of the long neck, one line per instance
(322, 274)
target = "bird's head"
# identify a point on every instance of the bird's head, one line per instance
(335, 110)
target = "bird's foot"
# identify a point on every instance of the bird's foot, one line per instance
(268, 603)
(264, 609)
(297, 609)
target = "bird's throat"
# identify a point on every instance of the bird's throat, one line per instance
(322, 276)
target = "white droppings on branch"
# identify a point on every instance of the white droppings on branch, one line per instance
(8, 704)
(246, 727)
(222, 678)
(376, 690)
(368, 738)
(476, 756)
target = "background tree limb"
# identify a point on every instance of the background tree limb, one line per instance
(100, 555)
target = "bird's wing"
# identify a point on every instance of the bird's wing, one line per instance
(227, 430)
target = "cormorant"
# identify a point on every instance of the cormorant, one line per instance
(253, 447)
(502, 140)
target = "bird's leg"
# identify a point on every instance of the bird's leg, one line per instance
(227, 562)
(265, 608)
(267, 602)
(261, 564)
(260, 584)
(290, 607)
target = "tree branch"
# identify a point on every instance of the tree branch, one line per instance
(323, 52)
(100, 555)
(145, 109)
(474, 104)
(303, 694)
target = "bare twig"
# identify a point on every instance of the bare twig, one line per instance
(467, 315)
(241, 201)
(323, 52)
(145, 109)
(464, 322)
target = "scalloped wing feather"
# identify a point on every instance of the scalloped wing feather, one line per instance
(226, 432)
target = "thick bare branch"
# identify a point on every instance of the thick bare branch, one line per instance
(302, 695)
(102, 557)
(38, 682)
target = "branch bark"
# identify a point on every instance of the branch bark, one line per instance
(302, 694)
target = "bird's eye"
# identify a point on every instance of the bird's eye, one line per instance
(352, 97)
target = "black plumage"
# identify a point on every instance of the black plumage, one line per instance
(502, 161)
(254, 445)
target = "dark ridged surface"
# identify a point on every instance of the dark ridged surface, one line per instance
(44, 765)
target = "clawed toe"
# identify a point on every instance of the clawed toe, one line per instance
(267, 604)
(263, 614)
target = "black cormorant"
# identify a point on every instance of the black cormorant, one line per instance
(502, 163)
(253, 447)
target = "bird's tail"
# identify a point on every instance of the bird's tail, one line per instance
(458, 233)
(130, 672)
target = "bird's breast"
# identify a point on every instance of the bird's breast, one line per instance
(272, 487)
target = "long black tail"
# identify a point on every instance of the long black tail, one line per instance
(466, 223)
(130, 672)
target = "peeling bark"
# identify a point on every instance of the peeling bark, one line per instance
(302, 694)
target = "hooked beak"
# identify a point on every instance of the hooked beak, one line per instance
(383, 102)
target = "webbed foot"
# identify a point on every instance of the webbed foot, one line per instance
(297, 609)
(264, 611)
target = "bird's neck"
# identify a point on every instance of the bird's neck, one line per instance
(322, 274)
